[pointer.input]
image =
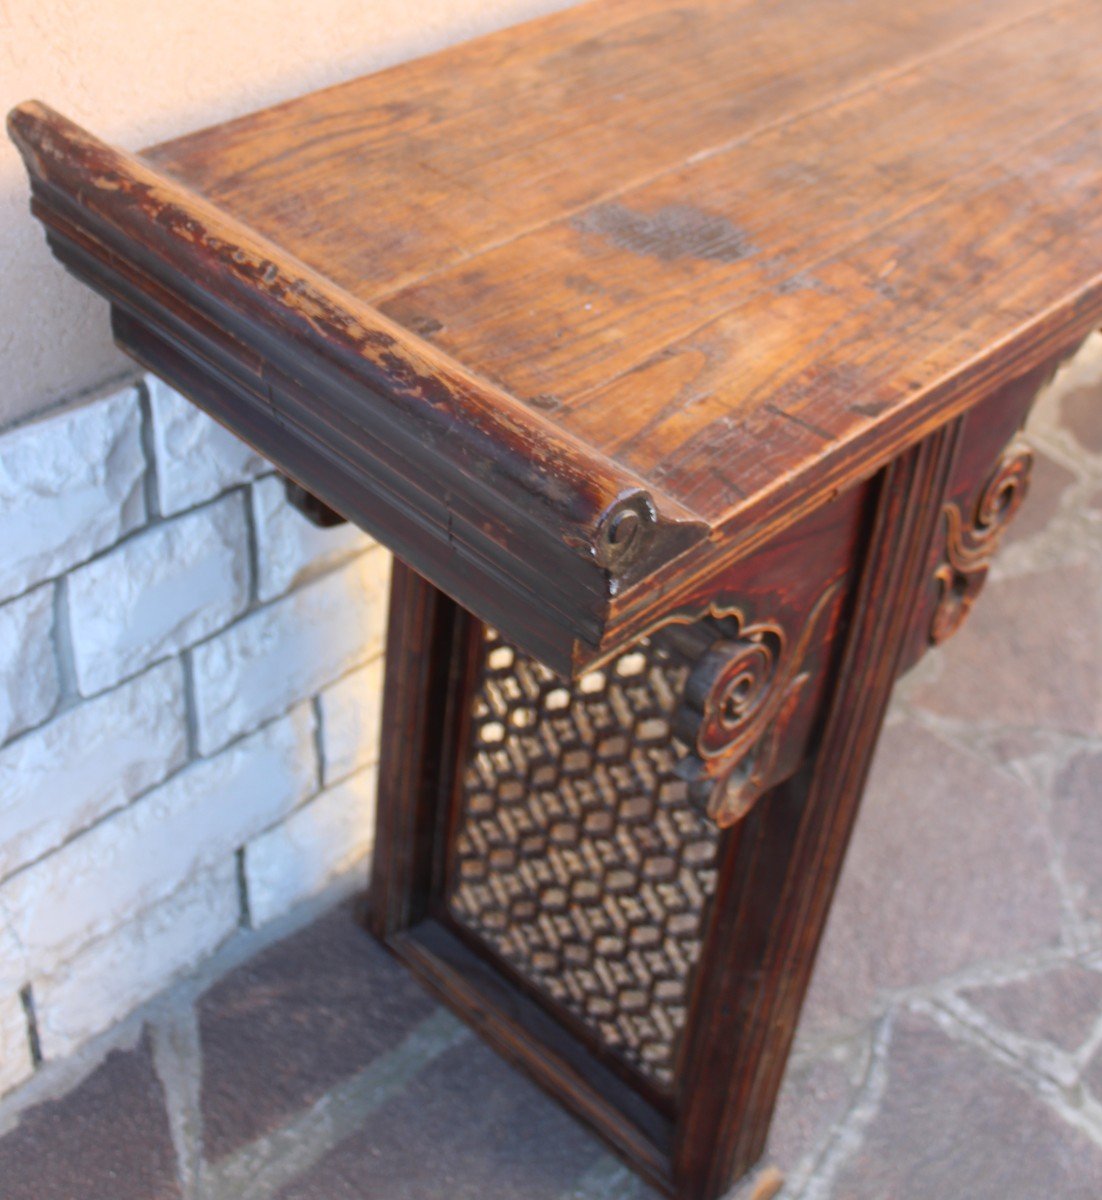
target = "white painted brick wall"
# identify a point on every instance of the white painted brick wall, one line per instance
(70, 484)
(29, 684)
(351, 712)
(15, 1051)
(143, 853)
(13, 963)
(62, 777)
(160, 671)
(291, 550)
(108, 978)
(158, 592)
(196, 457)
(289, 650)
(317, 842)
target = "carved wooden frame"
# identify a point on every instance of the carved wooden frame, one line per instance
(758, 658)
(778, 717)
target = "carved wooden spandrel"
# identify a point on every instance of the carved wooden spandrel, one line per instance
(972, 536)
(739, 707)
(988, 484)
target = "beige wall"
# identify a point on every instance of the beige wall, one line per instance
(137, 72)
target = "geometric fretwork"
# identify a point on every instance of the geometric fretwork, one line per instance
(578, 858)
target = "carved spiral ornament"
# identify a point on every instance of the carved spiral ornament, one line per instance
(743, 674)
(970, 546)
(1005, 492)
(736, 706)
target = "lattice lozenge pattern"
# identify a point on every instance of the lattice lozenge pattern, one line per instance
(578, 857)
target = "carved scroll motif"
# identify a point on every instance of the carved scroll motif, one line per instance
(738, 702)
(971, 543)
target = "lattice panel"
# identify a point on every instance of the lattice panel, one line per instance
(578, 857)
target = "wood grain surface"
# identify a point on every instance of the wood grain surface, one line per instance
(636, 284)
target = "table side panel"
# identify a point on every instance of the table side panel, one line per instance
(578, 862)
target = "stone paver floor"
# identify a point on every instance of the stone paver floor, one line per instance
(951, 1045)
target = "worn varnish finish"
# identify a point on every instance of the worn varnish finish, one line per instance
(680, 353)
(632, 285)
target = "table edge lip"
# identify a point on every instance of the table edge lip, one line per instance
(564, 497)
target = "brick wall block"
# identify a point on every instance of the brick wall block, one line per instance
(15, 1051)
(317, 842)
(143, 853)
(351, 712)
(196, 457)
(15, 1054)
(13, 962)
(29, 686)
(289, 650)
(112, 976)
(60, 778)
(291, 550)
(70, 485)
(158, 592)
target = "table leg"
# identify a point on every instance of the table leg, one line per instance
(622, 881)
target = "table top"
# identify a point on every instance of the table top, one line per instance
(629, 287)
